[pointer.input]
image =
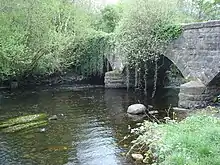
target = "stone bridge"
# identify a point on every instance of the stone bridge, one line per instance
(196, 53)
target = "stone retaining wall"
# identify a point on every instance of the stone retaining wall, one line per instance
(115, 79)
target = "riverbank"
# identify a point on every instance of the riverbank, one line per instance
(56, 79)
(194, 140)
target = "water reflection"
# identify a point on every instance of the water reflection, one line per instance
(85, 132)
(90, 125)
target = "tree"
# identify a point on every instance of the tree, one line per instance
(110, 17)
(41, 37)
(201, 9)
(143, 33)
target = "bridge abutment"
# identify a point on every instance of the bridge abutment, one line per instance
(195, 94)
(115, 79)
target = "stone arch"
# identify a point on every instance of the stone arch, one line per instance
(196, 51)
(215, 81)
(179, 63)
(169, 71)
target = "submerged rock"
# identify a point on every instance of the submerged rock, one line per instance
(19, 127)
(136, 109)
(137, 157)
(22, 120)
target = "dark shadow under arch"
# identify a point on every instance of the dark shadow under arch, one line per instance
(215, 81)
(168, 70)
(96, 78)
(165, 66)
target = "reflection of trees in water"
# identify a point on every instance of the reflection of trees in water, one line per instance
(92, 120)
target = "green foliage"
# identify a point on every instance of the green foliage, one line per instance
(201, 10)
(48, 36)
(142, 36)
(110, 17)
(195, 140)
(145, 29)
(92, 53)
(44, 37)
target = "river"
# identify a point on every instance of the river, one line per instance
(91, 125)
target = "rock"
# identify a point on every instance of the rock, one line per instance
(137, 157)
(54, 117)
(136, 117)
(22, 120)
(19, 127)
(150, 107)
(136, 109)
(153, 112)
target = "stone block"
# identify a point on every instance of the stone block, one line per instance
(115, 79)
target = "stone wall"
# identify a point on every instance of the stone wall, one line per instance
(197, 51)
(194, 94)
(115, 79)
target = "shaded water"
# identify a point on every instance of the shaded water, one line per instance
(89, 131)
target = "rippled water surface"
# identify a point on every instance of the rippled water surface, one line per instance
(89, 131)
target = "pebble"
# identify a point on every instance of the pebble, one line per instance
(137, 157)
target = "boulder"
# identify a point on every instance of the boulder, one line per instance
(136, 109)
(136, 118)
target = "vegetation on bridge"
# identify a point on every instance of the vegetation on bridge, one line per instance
(46, 37)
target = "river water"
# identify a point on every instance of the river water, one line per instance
(91, 125)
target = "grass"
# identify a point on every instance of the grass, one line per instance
(193, 141)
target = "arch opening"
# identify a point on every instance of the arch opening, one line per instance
(168, 74)
(97, 78)
(215, 81)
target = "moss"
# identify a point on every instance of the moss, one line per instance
(23, 119)
(20, 127)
